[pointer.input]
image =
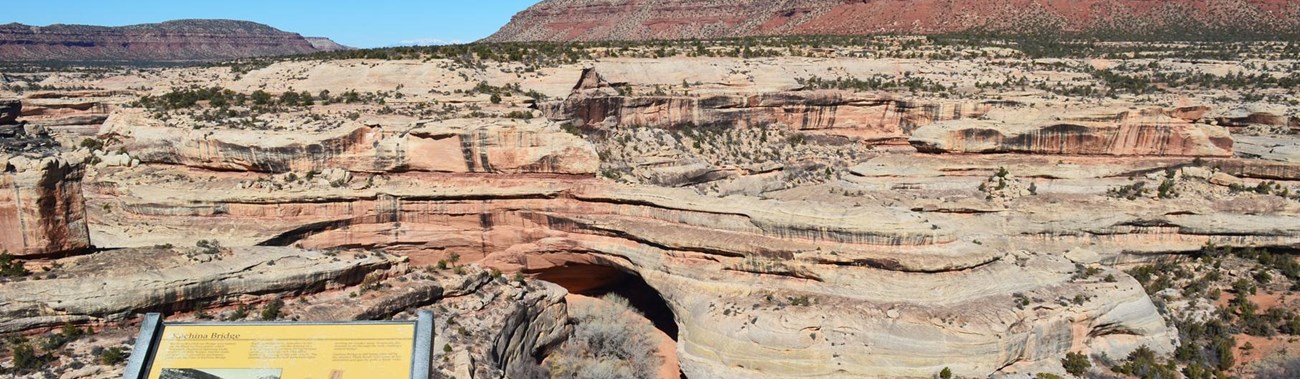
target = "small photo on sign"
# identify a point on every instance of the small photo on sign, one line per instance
(222, 373)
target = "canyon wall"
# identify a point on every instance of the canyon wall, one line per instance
(790, 233)
(827, 112)
(458, 146)
(988, 127)
(970, 284)
(630, 20)
(1147, 133)
(41, 207)
(42, 210)
(182, 40)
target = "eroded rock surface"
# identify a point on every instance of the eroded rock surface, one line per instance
(788, 232)
(1149, 133)
(462, 146)
(42, 210)
(119, 284)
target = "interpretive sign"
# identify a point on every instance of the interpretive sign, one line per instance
(282, 350)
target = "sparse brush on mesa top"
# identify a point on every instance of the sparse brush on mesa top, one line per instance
(602, 20)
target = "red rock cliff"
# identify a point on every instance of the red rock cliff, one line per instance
(589, 20)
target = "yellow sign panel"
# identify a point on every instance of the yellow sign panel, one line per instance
(284, 351)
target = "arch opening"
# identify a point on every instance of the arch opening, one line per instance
(594, 281)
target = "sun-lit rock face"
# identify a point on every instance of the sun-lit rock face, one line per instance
(907, 287)
(41, 207)
(791, 232)
(628, 20)
(41, 210)
(835, 113)
(455, 146)
(1128, 133)
(175, 280)
(902, 290)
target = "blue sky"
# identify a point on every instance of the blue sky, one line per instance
(373, 23)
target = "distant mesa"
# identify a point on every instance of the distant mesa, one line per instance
(631, 20)
(181, 40)
(326, 44)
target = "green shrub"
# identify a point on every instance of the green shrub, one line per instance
(25, 357)
(272, 310)
(112, 356)
(1076, 364)
(10, 267)
(92, 144)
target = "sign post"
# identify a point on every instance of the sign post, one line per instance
(282, 350)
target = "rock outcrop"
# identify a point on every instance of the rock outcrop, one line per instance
(1131, 133)
(9, 111)
(917, 282)
(779, 232)
(624, 20)
(326, 44)
(703, 256)
(182, 40)
(455, 146)
(41, 206)
(119, 284)
(825, 112)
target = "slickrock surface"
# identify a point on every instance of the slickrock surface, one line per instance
(181, 40)
(115, 285)
(491, 325)
(790, 228)
(630, 20)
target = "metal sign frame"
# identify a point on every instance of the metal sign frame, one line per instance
(146, 344)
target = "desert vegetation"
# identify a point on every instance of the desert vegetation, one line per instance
(606, 343)
(1230, 281)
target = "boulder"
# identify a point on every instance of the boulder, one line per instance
(9, 111)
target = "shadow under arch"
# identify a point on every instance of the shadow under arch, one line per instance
(597, 280)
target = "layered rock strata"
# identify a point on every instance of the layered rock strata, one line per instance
(117, 285)
(182, 40)
(967, 283)
(1149, 133)
(42, 210)
(686, 246)
(458, 146)
(627, 20)
(871, 117)
(809, 237)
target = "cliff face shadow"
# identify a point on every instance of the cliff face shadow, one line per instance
(595, 280)
(598, 280)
